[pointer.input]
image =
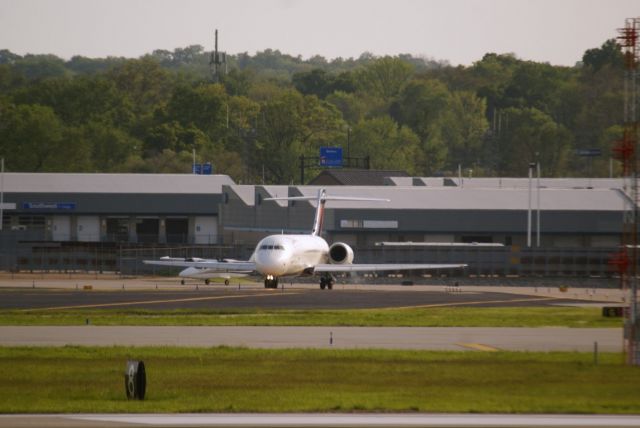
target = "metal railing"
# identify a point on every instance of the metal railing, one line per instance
(20, 254)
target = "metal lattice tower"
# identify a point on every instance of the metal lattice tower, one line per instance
(218, 59)
(626, 150)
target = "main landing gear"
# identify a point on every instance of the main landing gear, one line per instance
(271, 282)
(326, 281)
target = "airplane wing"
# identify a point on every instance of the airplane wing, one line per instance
(212, 265)
(382, 267)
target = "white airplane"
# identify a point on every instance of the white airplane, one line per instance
(283, 255)
(205, 273)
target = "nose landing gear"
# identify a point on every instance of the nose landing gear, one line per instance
(271, 282)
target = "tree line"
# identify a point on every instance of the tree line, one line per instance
(426, 117)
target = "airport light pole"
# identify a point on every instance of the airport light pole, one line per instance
(538, 207)
(531, 166)
(1, 193)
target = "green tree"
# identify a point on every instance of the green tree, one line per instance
(529, 136)
(165, 162)
(421, 106)
(110, 147)
(388, 145)
(315, 82)
(143, 83)
(278, 138)
(385, 77)
(290, 125)
(32, 138)
(464, 126)
(352, 106)
(80, 100)
(609, 54)
(35, 67)
(203, 107)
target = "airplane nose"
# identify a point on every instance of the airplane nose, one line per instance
(271, 263)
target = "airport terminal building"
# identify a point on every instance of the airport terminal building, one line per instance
(126, 208)
(179, 210)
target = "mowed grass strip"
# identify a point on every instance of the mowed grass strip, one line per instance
(409, 317)
(85, 379)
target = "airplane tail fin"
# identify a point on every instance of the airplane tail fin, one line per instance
(321, 199)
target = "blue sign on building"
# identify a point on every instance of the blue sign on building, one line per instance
(49, 206)
(203, 168)
(331, 156)
(589, 152)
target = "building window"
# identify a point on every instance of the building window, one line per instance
(369, 224)
(118, 229)
(351, 224)
(477, 239)
(32, 221)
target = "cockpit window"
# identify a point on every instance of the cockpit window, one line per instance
(271, 247)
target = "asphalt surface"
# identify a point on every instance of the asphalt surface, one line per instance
(291, 297)
(317, 420)
(485, 339)
(55, 294)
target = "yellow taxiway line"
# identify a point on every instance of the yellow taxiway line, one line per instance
(478, 302)
(478, 347)
(147, 302)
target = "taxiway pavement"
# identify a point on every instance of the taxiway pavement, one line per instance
(318, 420)
(163, 293)
(426, 338)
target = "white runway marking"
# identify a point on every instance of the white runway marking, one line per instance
(367, 420)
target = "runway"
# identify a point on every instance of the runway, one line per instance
(134, 295)
(318, 420)
(116, 294)
(425, 338)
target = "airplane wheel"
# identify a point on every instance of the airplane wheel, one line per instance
(322, 284)
(206, 281)
(226, 282)
(330, 285)
(182, 282)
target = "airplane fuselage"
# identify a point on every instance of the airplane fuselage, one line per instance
(290, 255)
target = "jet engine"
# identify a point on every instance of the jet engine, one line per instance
(340, 254)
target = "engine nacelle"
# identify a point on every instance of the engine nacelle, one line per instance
(340, 254)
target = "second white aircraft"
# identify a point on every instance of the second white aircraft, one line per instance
(283, 255)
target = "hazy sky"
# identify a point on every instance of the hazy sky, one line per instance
(460, 31)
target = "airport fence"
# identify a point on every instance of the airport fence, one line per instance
(502, 261)
(130, 260)
(24, 255)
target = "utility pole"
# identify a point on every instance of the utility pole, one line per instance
(538, 208)
(531, 166)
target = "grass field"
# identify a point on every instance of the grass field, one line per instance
(74, 379)
(420, 317)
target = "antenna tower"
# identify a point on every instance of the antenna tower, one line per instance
(218, 59)
(626, 150)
